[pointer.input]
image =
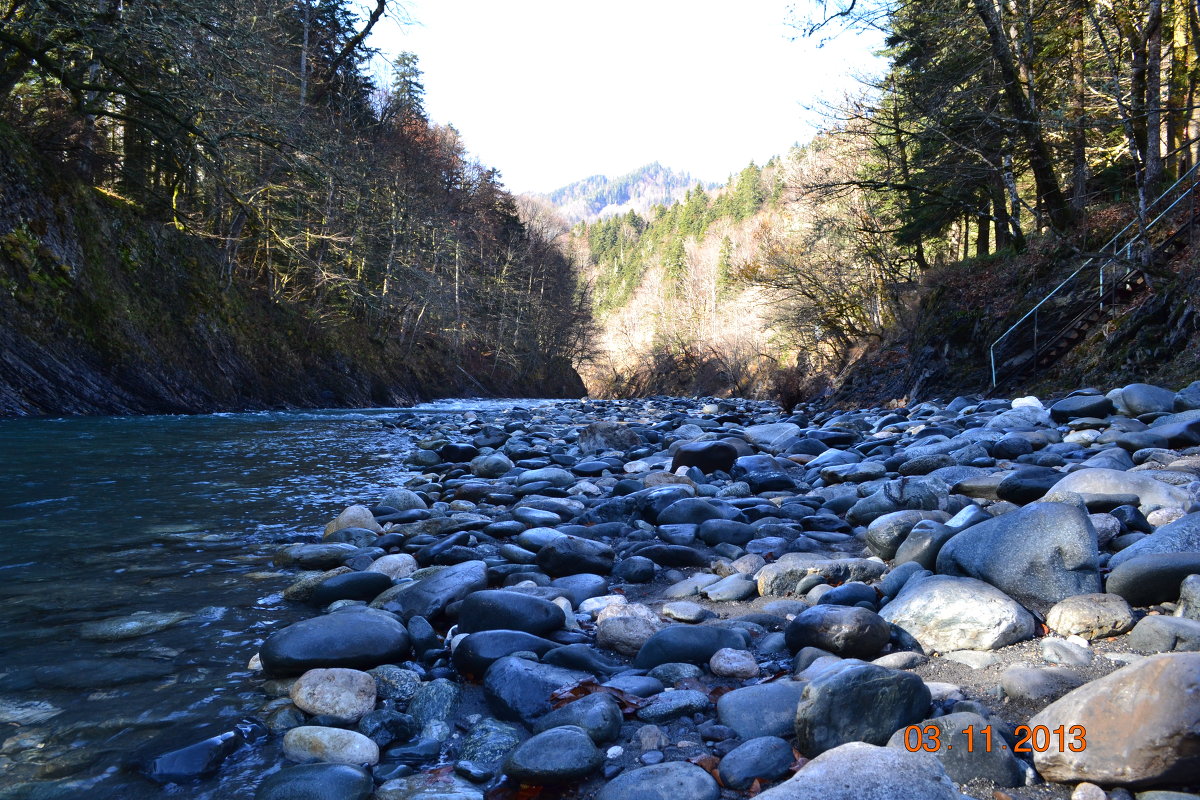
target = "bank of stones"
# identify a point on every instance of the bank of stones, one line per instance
(630, 599)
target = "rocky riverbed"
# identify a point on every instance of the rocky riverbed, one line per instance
(666, 598)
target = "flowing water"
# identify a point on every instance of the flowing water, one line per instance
(104, 518)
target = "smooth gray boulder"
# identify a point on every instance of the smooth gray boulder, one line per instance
(1180, 536)
(1037, 555)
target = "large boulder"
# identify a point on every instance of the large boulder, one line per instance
(945, 613)
(859, 771)
(1138, 723)
(768, 709)
(1037, 555)
(357, 638)
(858, 702)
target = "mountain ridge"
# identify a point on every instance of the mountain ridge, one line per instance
(599, 196)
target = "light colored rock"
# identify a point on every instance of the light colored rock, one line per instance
(730, 663)
(1150, 492)
(355, 516)
(395, 566)
(1088, 791)
(345, 694)
(434, 785)
(309, 743)
(1092, 616)
(626, 628)
(1139, 722)
(594, 605)
(770, 436)
(946, 613)
(661, 477)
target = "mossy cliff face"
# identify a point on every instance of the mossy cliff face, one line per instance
(104, 311)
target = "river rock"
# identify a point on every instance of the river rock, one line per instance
(491, 465)
(708, 457)
(847, 631)
(598, 714)
(478, 651)
(605, 435)
(1139, 723)
(995, 764)
(571, 555)
(923, 494)
(493, 609)
(1180, 536)
(1038, 685)
(692, 644)
(486, 748)
(395, 566)
(767, 758)
(343, 694)
(1081, 406)
(672, 780)
(946, 613)
(357, 638)
(1156, 634)
(1037, 555)
(429, 596)
(355, 516)
(1146, 398)
(731, 663)
(317, 782)
(886, 533)
(772, 436)
(140, 623)
(553, 757)
(350, 586)
(520, 690)
(1092, 616)
(432, 785)
(858, 702)
(859, 771)
(1189, 598)
(1153, 577)
(625, 628)
(1151, 492)
(334, 745)
(768, 709)
(394, 683)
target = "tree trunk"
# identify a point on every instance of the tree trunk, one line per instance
(1154, 156)
(1049, 192)
(1079, 166)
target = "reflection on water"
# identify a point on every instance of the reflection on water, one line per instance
(103, 518)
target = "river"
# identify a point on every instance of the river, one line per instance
(106, 517)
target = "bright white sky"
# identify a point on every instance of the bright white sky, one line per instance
(551, 91)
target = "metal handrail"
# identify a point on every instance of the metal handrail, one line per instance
(1107, 259)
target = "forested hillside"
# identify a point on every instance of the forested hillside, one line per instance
(1001, 149)
(233, 169)
(598, 197)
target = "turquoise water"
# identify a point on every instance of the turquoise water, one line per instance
(104, 517)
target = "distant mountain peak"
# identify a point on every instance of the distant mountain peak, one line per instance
(599, 196)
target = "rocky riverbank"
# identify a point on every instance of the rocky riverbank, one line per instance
(680, 599)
